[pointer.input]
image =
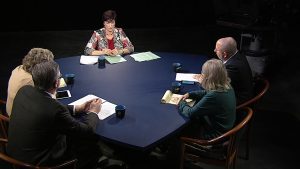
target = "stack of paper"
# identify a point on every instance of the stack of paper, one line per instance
(88, 60)
(144, 56)
(107, 108)
(115, 59)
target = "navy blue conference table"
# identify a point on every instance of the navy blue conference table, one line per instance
(139, 86)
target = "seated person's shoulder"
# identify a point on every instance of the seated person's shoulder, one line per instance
(120, 30)
(27, 88)
(99, 31)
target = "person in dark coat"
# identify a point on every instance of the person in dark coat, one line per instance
(237, 67)
(40, 125)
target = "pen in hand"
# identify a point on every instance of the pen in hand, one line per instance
(95, 105)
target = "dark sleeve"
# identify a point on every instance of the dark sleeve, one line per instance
(233, 73)
(70, 108)
(241, 78)
(197, 95)
(69, 125)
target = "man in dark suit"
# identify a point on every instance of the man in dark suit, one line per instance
(40, 125)
(237, 67)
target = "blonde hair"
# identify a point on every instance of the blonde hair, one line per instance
(35, 56)
(215, 76)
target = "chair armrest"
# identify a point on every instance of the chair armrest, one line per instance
(67, 163)
(213, 141)
(3, 141)
(4, 118)
(2, 101)
(222, 137)
(266, 86)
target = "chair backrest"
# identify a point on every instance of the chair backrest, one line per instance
(17, 164)
(4, 120)
(3, 130)
(230, 140)
(3, 107)
(261, 85)
(243, 117)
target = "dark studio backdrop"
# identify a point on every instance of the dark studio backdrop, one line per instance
(73, 15)
(276, 21)
(76, 15)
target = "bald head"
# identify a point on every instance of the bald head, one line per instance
(227, 45)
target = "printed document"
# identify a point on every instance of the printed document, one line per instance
(107, 108)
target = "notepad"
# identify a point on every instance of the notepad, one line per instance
(172, 98)
(107, 108)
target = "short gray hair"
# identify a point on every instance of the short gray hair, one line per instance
(45, 74)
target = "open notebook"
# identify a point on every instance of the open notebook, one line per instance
(172, 98)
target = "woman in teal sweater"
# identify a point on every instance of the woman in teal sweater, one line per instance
(215, 105)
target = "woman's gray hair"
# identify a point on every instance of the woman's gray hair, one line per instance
(215, 76)
(45, 74)
(35, 56)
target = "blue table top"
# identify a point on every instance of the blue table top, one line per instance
(139, 86)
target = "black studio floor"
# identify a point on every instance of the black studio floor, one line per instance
(275, 140)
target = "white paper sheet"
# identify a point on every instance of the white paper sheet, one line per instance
(186, 77)
(88, 60)
(107, 108)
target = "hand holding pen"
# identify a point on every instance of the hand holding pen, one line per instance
(94, 105)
